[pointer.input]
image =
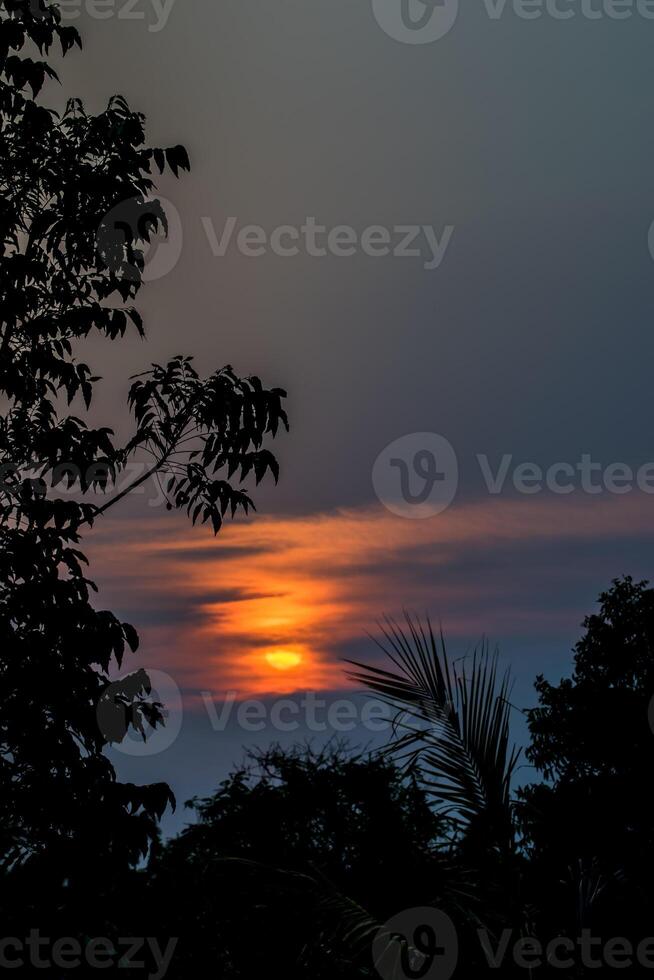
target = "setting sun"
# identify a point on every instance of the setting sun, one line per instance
(283, 659)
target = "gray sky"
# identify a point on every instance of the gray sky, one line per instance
(530, 140)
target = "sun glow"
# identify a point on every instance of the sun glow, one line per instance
(283, 659)
(218, 614)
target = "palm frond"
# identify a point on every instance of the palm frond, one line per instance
(452, 726)
(340, 924)
(342, 929)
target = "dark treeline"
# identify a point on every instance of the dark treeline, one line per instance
(302, 857)
(332, 845)
(312, 862)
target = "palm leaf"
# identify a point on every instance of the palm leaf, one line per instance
(341, 926)
(451, 726)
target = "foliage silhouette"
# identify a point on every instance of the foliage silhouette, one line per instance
(588, 826)
(316, 847)
(69, 270)
(462, 731)
(317, 866)
(452, 732)
(278, 847)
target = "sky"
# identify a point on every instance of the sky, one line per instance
(501, 368)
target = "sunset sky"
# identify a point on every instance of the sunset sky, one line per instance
(223, 615)
(533, 338)
(274, 606)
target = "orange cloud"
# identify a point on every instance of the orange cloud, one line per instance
(234, 613)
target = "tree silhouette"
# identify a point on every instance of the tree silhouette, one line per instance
(452, 732)
(316, 848)
(589, 825)
(77, 215)
(316, 845)
(275, 851)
